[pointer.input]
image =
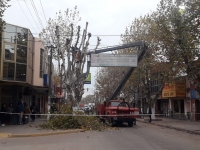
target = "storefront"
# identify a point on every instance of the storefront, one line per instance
(176, 93)
(161, 107)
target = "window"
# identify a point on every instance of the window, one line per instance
(114, 103)
(21, 54)
(154, 86)
(16, 55)
(9, 52)
(8, 71)
(120, 104)
(10, 33)
(123, 104)
(22, 36)
(20, 72)
(41, 62)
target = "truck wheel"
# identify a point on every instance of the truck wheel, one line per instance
(130, 123)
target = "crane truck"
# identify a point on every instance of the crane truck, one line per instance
(118, 110)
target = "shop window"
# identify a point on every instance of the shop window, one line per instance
(10, 33)
(9, 52)
(20, 72)
(8, 71)
(22, 36)
(21, 54)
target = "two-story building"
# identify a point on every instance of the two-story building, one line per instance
(23, 68)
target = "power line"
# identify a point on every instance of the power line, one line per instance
(43, 11)
(31, 13)
(26, 40)
(42, 41)
(36, 12)
(45, 18)
(80, 35)
(24, 12)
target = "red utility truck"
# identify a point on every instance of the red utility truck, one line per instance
(117, 111)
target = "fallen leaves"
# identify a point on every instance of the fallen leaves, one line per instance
(78, 121)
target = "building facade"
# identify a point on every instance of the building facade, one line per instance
(23, 63)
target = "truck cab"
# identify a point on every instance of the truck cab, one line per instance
(117, 111)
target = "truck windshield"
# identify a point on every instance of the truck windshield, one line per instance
(118, 104)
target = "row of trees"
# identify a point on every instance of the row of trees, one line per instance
(172, 34)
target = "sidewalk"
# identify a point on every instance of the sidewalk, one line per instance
(181, 125)
(30, 129)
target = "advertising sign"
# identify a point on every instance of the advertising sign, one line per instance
(174, 90)
(112, 60)
(88, 79)
(180, 90)
(169, 90)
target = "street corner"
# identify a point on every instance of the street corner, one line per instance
(5, 135)
(45, 133)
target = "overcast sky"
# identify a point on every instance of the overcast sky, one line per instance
(105, 17)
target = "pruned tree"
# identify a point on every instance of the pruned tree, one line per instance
(71, 50)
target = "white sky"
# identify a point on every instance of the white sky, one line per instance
(105, 17)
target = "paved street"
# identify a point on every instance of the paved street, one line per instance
(141, 137)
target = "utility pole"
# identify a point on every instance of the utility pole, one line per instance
(59, 52)
(50, 80)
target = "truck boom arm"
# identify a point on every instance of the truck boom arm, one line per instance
(141, 53)
(127, 74)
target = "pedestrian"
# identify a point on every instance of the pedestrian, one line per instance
(3, 114)
(10, 111)
(149, 112)
(27, 111)
(20, 111)
(33, 111)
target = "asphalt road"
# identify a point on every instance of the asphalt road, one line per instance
(140, 137)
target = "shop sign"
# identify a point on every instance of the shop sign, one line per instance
(112, 60)
(174, 90)
(169, 90)
(180, 90)
(88, 79)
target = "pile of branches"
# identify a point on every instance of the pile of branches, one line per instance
(73, 120)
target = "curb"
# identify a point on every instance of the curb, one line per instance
(170, 127)
(9, 135)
